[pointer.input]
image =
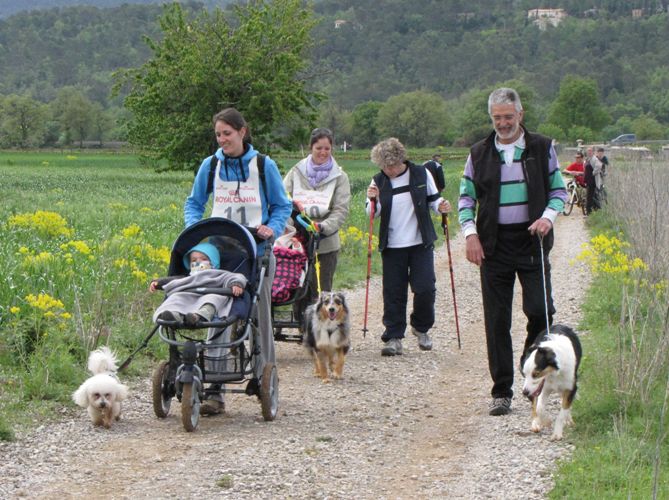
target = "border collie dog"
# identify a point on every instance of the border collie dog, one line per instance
(327, 334)
(551, 365)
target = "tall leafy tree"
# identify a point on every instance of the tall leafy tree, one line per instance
(416, 118)
(75, 113)
(333, 117)
(471, 116)
(648, 128)
(658, 93)
(251, 58)
(22, 121)
(578, 104)
(364, 128)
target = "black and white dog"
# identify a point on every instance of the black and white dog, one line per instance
(551, 365)
(327, 334)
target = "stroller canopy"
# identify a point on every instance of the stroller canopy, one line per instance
(235, 244)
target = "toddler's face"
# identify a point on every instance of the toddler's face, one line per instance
(199, 262)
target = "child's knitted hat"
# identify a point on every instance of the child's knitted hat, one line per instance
(209, 250)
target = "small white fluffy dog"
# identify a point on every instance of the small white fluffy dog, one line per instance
(102, 393)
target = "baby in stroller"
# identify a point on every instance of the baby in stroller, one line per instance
(191, 309)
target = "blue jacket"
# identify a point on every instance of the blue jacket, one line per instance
(276, 207)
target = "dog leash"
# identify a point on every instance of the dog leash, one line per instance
(308, 224)
(543, 281)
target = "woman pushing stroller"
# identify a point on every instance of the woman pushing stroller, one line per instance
(247, 188)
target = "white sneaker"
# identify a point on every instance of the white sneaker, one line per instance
(424, 340)
(392, 347)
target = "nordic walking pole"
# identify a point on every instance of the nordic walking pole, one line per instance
(444, 224)
(369, 260)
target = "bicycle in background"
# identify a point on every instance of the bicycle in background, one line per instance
(575, 196)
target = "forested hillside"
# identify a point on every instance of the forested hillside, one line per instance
(10, 7)
(450, 47)
(369, 51)
(46, 50)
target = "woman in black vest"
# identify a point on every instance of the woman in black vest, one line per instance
(403, 193)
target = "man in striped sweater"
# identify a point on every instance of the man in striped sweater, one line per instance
(511, 192)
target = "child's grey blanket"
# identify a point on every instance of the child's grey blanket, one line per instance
(185, 302)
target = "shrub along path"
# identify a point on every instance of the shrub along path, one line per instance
(403, 427)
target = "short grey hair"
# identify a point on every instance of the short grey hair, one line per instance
(389, 153)
(504, 95)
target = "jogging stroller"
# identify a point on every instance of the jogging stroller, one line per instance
(289, 304)
(232, 355)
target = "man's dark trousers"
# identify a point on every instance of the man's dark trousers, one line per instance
(516, 253)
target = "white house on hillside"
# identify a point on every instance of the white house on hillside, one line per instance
(544, 17)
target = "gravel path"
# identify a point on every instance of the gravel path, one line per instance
(414, 426)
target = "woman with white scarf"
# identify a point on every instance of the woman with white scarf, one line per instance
(320, 186)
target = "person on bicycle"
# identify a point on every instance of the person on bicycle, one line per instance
(577, 169)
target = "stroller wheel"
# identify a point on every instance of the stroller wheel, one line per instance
(163, 389)
(190, 407)
(269, 392)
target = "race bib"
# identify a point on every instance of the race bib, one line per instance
(316, 203)
(240, 202)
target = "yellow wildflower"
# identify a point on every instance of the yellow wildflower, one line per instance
(121, 263)
(43, 258)
(46, 224)
(160, 255)
(131, 231)
(78, 245)
(43, 302)
(140, 275)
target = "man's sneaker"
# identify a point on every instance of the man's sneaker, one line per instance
(500, 406)
(424, 340)
(212, 407)
(392, 347)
